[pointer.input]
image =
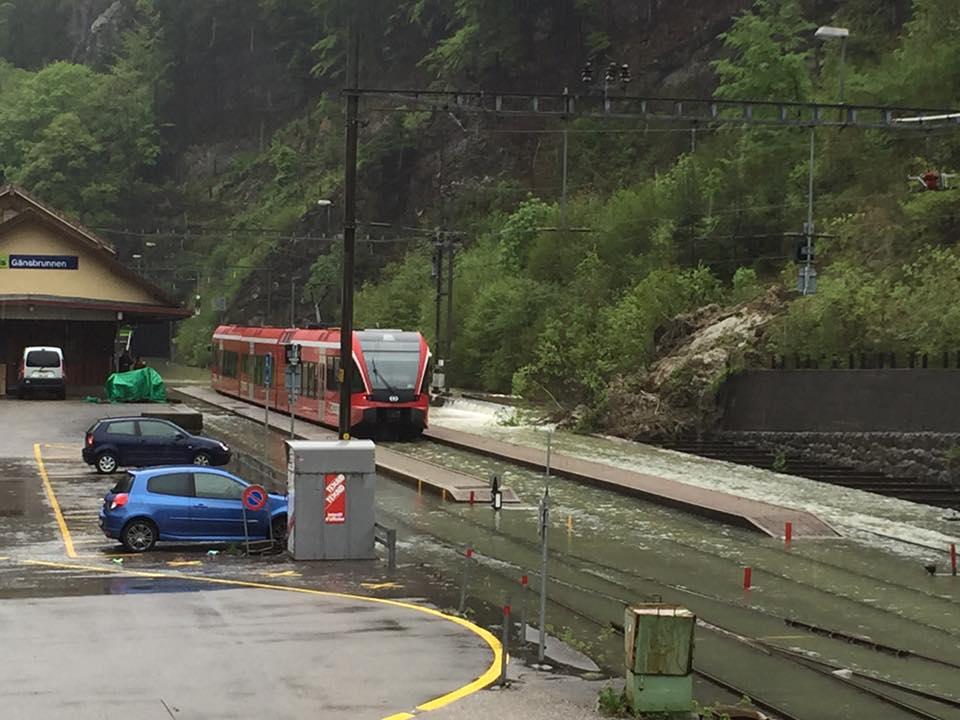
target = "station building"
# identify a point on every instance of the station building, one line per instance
(62, 285)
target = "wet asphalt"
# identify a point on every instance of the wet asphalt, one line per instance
(93, 632)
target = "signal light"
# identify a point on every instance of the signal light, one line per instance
(89, 439)
(119, 500)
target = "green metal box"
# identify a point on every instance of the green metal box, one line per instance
(658, 646)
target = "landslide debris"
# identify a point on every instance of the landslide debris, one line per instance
(696, 352)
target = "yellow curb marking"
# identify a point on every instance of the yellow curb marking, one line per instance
(381, 586)
(490, 676)
(52, 498)
(284, 573)
(184, 563)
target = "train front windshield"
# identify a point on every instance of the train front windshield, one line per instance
(393, 360)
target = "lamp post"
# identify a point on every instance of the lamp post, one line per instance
(825, 32)
(326, 204)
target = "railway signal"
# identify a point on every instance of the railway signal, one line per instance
(933, 180)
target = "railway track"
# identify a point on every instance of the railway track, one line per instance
(723, 642)
(582, 583)
(742, 452)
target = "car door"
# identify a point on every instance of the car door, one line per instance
(170, 499)
(162, 443)
(123, 435)
(217, 512)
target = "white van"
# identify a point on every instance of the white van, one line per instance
(42, 368)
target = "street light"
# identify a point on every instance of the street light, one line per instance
(138, 257)
(807, 282)
(827, 32)
(327, 204)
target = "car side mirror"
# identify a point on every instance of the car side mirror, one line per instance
(179, 436)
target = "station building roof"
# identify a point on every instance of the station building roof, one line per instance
(52, 267)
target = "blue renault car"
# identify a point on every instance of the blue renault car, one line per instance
(112, 443)
(186, 503)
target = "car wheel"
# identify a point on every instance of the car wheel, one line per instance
(139, 535)
(201, 458)
(62, 394)
(279, 526)
(21, 393)
(107, 463)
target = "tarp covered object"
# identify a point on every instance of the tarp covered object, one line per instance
(143, 385)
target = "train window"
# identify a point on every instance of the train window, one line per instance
(245, 366)
(427, 379)
(333, 365)
(308, 380)
(357, 381)
(229, 364)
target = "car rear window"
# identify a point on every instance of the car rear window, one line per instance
(172, 484)
(123, 484)
(43, 358)
(126, 427)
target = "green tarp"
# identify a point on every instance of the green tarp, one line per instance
(143, 385)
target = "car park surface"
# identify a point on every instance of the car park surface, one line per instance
(194, 632)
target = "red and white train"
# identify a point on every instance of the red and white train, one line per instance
(390, 394)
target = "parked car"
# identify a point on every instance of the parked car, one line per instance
(42, 368)
(112, 443)
(187, 504)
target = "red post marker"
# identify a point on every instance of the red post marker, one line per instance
(469, 552)
(747, 578)
(523, 580)
(953, 558)
(471, 497)
(788, 533)
(506, 611)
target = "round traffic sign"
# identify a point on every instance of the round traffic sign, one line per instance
(254, 497)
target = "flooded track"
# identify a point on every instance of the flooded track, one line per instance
(816, 607)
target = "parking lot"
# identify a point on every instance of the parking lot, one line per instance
(194, 631)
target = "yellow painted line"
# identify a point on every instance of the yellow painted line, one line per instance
(491, 674)
(184, 563)
(283, 573)
(61, 523)
(4, 558)
(399, 716)
(381, 586)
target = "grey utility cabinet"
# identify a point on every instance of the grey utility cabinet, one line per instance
(331, 486)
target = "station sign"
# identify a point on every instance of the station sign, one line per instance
(39, 262)
(267, 370)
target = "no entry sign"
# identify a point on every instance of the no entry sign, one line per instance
(254, 497)
(335, 503)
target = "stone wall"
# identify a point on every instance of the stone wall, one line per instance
(925, 456)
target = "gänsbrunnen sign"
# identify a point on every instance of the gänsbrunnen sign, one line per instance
(39, 262)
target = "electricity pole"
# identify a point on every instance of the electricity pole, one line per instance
(349, 230)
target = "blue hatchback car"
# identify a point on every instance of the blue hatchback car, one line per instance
(186, 504)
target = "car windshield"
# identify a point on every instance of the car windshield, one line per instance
(123, 484)
(43, 359)
(393, 370)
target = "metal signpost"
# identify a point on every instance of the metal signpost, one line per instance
(267, 382)
(292, 352)
(544, 527)
(253, 498)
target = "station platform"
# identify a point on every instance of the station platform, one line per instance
(764, 517)
(430, 477)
